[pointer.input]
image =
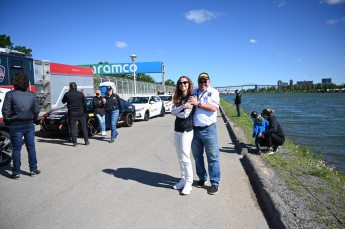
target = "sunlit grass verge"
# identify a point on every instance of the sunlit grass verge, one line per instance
(306, 174)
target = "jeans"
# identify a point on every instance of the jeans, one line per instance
(101, 121)
(183, 147)
(17, 131)
(206, 138)
(112, 117)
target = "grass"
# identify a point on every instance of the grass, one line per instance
(307, 175)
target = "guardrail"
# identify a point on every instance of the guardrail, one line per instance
(125, 87)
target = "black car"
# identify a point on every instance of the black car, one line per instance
(56, 120)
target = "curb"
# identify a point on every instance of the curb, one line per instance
(260, 177)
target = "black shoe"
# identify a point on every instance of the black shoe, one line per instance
(87, 143)
(275, 149)
(15, 176)
(34, 173)
(213, 190)
(75, 144)
(201, 183)
(111, 141)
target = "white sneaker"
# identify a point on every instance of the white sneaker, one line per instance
(187, 189)
(104, 133)
(179, 185)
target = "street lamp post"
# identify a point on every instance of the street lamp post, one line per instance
(133, 58)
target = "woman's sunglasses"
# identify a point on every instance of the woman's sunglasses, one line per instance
(183, 82)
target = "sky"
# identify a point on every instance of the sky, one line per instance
(236, 42)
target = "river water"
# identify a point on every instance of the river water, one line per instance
(316, 120)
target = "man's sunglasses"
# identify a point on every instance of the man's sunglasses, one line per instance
(202, 81)
(184, 82)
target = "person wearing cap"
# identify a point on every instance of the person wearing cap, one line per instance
(206, 101)
(238, 99)
(259, 125)
(77, 110)
(99, 111)
(273, 135)
(112, 107)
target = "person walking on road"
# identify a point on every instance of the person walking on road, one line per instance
(112, 106)
(77, 111)
(206, 101)
(183, 132)
(20, 110)
(238, 99)
(99, 111)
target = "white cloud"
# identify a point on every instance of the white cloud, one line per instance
(331, 21)
(335, 21)
(201, 16)
(121, 44)
(333, 2)
(253, 41)
(280, 3)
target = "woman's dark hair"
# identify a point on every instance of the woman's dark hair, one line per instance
(21, 82)
(267, 112)
(177, 98)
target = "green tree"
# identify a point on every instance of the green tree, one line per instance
(170, 82)
(5, 42)
(24, 50)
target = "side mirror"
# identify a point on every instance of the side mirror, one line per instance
(152, 102)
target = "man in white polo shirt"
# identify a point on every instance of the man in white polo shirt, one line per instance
(206, 100)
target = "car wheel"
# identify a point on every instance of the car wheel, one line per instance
(5, 148)
(162, 112)
(92, 127)
(147, 116)
(129, 119)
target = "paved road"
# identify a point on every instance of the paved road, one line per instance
(126, 184)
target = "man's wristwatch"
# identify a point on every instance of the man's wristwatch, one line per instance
(199, 104)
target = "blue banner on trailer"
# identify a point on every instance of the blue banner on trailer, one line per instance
(126, 68)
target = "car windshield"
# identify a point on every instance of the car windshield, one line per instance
(166, 98)
(138, 99)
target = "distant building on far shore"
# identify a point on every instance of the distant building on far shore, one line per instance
(282, 84)
(304, 83)
(326, 81)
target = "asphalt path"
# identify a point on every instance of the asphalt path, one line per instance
(126, 184)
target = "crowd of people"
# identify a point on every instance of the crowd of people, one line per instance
(195, 129)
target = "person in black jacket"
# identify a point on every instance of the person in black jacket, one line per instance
(238, 102)
(77, 110)
(20, 110)
(99, 111)
(183, 132)
(112, 106)
(273, 135)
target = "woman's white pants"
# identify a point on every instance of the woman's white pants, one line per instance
(183, 143)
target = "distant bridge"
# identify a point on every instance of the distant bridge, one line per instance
(250, 85)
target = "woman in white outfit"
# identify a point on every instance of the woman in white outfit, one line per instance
(183, 132)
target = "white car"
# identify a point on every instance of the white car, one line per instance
(167, 99)
(147, 106)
